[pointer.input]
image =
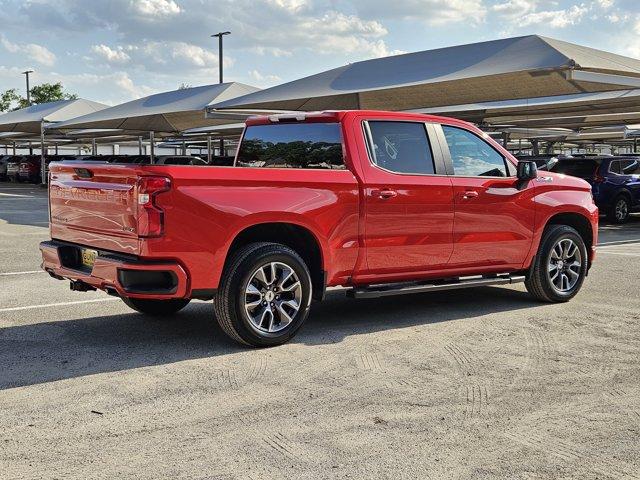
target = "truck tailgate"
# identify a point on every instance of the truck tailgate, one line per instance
(95, 204)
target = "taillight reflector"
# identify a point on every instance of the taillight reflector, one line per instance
(150, 215)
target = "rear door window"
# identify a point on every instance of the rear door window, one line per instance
(630, 167)
(614, 167)
(471, 156)
(401, 147)
(292, 145)
(581, 168)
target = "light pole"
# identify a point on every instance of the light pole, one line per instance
(220, 35)
(26, 74)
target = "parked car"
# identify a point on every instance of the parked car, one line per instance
(615, 182)
(13, 166)
(29, 169)
(4, 160)
(383, 203)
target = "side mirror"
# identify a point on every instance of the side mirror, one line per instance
(527, 170)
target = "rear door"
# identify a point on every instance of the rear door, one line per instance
(408, 199)
(94, 204)
(494, 211)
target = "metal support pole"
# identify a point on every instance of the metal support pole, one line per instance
(635, 145)
(184, 148)
(94, 147)
(152, 148)
(14, 148)
(220, 35)
(209, 149)
(139, 145)
(222, 147)
(534, 147)
(56, 149)
(43, 163)
(505, 139)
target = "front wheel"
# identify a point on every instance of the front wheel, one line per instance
(264, 295)
(560, 265)
(156, 308)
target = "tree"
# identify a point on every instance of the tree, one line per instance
(8, 98)
(46, 92)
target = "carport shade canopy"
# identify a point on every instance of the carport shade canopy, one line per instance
(167, 112)
(30, 119)
(512, 68)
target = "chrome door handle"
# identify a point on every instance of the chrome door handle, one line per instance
(469, 194)
(385, 193)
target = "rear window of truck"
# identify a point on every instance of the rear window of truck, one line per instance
(292, 145)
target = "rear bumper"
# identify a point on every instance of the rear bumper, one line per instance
(126, 276)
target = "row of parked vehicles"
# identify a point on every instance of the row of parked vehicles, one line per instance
(26, 168)
(614, 179)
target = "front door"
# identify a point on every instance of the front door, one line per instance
(408, 201)
(494, 211)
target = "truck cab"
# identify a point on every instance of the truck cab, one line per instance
(382, 203)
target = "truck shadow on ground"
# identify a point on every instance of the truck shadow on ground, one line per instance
(51, 351)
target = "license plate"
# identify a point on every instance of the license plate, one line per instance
(88, 257)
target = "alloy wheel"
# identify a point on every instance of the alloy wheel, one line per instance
(272, 297)
(621, 209)
(565, 265)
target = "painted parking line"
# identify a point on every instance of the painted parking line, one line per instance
(622, 254)
(27, 272)
(61, 304)
(14, 195)
(619, 242)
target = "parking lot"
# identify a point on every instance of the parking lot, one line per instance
(482, 383)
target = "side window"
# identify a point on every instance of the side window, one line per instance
(292, 145)
(401, 147)
(629, 167)
(614, 167)
(471, 156)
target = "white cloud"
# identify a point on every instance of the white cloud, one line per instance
(430, 12)
(155, 8)
(513, 9)
(117, 55)
(606, 3)
(555, 18)
(263, 80)
(35, 52)
(126, 89)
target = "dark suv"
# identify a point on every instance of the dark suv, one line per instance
(615, 182)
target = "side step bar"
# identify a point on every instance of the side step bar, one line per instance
(420, 287)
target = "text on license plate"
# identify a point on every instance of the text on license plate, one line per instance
(88, 257)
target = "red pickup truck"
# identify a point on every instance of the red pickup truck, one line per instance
(383, 203)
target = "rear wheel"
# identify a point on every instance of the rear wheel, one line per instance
(619, 211)
(264, 295)
(560, 265)
(156, 308)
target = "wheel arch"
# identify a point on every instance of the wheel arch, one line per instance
(298, 237)
(579, 222)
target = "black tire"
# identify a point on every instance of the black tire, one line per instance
(620, 209)
(538, 282)
(229, 302)
(156, 308)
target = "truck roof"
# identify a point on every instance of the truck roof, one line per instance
(338, 115)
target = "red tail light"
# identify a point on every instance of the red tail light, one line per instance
(597, 178)
(150, 216)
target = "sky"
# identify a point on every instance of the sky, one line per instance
(113, 51)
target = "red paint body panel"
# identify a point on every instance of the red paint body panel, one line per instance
(427, 230)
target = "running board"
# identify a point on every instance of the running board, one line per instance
(420, 287)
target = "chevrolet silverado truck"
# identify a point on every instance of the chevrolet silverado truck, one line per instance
(382, 203)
